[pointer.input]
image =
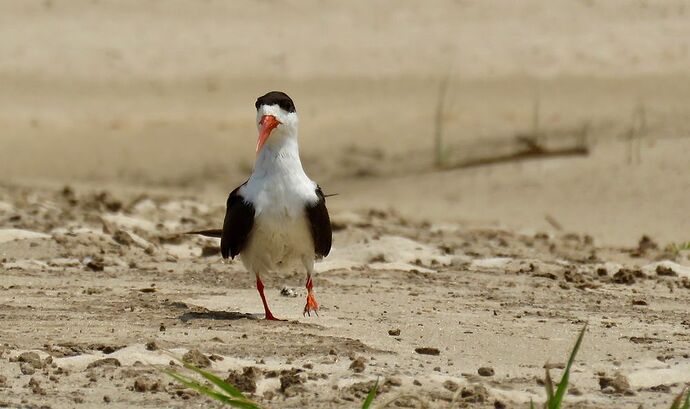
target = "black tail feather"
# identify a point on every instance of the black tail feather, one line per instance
(217, 233)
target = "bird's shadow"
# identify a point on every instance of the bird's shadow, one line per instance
(217, 315)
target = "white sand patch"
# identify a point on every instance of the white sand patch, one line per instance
(129, 222)
(531, 232)
(392, 249)
(349, 219)
(654, 373)
(490, 263)
(25, 265)
(146, 206)
(41, 354)
(444, 228)
(64, 262)
(461, 260)
(171, 226)
(682, 271)
(79, 231)
(115, 261)
(139, 241)
(184, 206)
(138, 352)
(330, 265)
(517, 396)
(7, 235)
(6, 207)
(400, 267)
(127, 357)
(182, 250)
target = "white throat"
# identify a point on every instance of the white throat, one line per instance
(278, 185)
(278, 155)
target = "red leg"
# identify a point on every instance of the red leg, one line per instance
(312, 305)
(260, 287)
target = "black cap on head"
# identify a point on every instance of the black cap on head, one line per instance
(276, 98)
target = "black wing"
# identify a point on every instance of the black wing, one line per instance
(320, 225)
(239, 220)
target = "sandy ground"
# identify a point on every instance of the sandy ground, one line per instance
(123, 123)
(111, 280)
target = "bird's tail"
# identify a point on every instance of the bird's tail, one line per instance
(218, 233)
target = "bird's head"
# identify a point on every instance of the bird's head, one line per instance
(276, 119)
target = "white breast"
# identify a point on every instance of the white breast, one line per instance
(281, 238)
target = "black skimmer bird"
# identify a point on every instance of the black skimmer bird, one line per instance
(277, 219)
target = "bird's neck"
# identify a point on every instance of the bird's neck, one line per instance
(279, 157)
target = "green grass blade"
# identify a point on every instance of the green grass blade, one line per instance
(548, 385)
(370, 397)
(191, 383)
(563, 384)
(676, 401)
(679, 399)
(531, 403)
(205, 390)
(185, 380)
(226, 387)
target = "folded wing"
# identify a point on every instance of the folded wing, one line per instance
(238, 223)
(320, 225)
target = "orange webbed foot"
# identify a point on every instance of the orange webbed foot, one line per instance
(312, 305)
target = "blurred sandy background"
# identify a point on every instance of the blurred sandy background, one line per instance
(159, 95)
(123, 123)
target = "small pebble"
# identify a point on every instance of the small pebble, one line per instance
(31, 358)
(145, 384)
(450, 385)
(358, 365)
(427, 351)
(288, 292)
(486, 371)
(196, 358)
(26, 368)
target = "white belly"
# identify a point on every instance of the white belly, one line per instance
(278, 242)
